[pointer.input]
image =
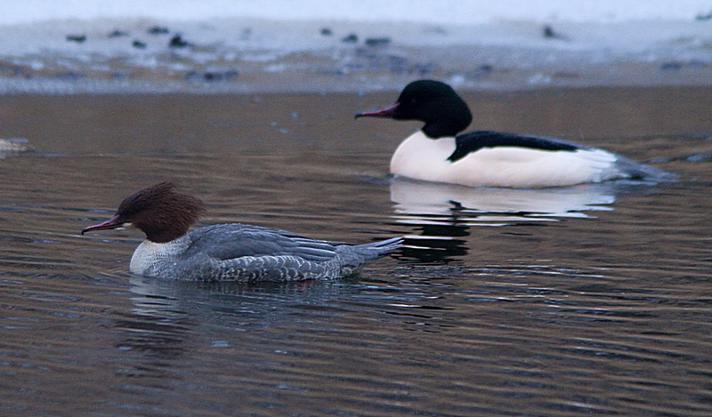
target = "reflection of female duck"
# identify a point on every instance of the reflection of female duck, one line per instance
(171, 322)
(165, 312)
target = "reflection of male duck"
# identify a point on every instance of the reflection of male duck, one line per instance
(444, 213)
(419, 198)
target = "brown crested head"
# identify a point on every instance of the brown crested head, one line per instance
(161, 212)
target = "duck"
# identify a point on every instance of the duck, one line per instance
(441, 152)
(227, 252)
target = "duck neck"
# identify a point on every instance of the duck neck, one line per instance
(150, 256)
(439, 130)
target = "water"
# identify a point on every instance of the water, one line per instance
(585, 300)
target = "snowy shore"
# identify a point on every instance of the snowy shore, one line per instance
(221, 46)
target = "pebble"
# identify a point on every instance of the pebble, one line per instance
(377, 41)
(177, 41)
(76, 38)
(210, 76)
(158, 30)
(350, 38)
(549, 33)
(117, 34)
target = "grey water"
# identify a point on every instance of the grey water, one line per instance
(587, 300)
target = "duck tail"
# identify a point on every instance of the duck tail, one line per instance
(375, 250)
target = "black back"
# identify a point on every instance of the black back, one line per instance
(468, 143)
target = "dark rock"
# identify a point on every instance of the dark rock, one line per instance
(117, 34)
(549, 33)
(350, 38)
(678, 65)
(704, 16)
(138, 44)
(211, 76)
(671, 66)
(76, 38)
(326, 32)
(377, 41)
(69, 76)
(177, 41)
(158, 30)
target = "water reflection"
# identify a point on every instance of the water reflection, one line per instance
(415, 199)
(165, 314)
(443, 213)
(155, 334)
(170, 323)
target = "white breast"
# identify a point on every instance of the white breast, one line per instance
(151, 255)
(422, 158)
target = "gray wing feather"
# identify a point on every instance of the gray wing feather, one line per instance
(276, 268)
(231, 241)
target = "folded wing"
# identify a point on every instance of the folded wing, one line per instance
(230, 241)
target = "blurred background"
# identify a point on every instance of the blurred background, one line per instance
(321, 45)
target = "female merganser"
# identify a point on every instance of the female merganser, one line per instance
(439, 152)
(227, 252)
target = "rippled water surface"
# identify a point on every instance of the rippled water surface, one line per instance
(590, 300)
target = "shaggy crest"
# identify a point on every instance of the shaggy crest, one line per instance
(161, 212)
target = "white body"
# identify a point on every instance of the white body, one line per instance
(422, 158)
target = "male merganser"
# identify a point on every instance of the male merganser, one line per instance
(227, 252)
(439, 152)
